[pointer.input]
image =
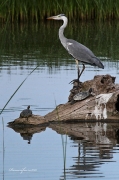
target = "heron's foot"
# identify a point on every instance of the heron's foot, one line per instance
(75, 82)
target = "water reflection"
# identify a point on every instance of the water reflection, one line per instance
(39, 43)
(94, 142)
(27, 132)
(91, 146)
(27, 136)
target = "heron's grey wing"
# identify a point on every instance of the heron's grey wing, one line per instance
(82, 53)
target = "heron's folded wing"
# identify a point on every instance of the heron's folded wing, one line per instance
(82, 53)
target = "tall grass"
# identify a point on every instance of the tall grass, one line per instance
(3, 147)
(64, 142)
(35, 10)
(17, 89)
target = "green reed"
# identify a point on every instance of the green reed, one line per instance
(3, 143)
(64, 140)
(17, 90)
(35, 10)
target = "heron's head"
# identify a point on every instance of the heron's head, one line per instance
(58, 17)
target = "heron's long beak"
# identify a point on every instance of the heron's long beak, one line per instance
(52, 17)
(49, 18)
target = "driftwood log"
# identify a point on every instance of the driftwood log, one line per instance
(103, 106)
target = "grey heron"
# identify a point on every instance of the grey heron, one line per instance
(77, 50)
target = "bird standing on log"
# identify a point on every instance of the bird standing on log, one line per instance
(77, 50)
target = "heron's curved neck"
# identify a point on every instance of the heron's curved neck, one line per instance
(61, 31)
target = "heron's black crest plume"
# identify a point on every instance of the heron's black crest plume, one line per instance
(61, 15)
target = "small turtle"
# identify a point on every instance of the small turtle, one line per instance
(82, 95)
(26, 113)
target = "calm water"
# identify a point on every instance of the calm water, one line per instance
(93, 151)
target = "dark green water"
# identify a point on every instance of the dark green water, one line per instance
(42, 40)
(22, 48)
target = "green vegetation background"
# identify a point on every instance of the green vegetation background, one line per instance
(35, 10)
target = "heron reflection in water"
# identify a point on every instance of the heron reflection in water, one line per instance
(77, 50)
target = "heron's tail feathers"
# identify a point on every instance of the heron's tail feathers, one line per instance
(98, 63)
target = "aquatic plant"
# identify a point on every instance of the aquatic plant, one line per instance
(3, 148)
(64, 141)
(35, 10)
(17, 89)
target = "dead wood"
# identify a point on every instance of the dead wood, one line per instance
(33, 120)
(104, 105)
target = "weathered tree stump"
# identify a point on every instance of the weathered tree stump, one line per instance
(104, 105)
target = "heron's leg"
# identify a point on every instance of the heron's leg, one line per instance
(77, 63)
(81, 71)
(78, 70)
